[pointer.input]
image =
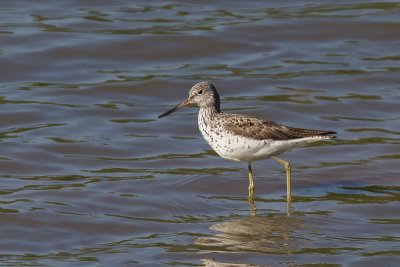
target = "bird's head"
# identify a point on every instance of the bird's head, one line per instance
(203, 94)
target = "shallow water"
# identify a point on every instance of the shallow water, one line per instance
(91, 177)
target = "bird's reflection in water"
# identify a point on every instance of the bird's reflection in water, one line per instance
(274, 234)
(213, 263)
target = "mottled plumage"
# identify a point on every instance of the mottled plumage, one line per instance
(244, 138)
(260, 129)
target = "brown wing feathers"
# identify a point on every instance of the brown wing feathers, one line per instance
(262, 129)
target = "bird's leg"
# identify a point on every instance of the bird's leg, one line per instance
(287, 168)
(288, 208)
(251, 189)
(251, 182)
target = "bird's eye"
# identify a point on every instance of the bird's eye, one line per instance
(199, 92)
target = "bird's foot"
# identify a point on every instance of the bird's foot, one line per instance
(252, 205)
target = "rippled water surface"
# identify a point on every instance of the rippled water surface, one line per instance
(91, 177)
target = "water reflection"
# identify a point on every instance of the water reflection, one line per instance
(213, 263)
(277, 234)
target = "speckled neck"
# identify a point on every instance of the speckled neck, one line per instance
(208, 113)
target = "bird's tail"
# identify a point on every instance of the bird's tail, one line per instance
(301, 133)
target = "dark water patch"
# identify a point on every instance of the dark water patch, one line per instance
(14, 132)
(178, 171)
(391, 190)
(371, 140)
(184, 137)
(141, 135)
(386, 221)
(353, 119)
(25, 102)
(351, 96)
(354, 198)
(132, 120)
(334, 10)
(64, 141)
(394, 57)
(162, 156)
(379, 130)
(315, 62)
(3, 210)
(392, 156)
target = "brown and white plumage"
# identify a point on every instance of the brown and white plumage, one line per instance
(260, 129)
(244, 138)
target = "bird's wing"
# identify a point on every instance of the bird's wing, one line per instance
(260, 129)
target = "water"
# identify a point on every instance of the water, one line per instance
(91, 177)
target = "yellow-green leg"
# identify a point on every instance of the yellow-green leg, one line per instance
(251, 189)
(287, 168)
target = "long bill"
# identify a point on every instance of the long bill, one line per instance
(179, 106)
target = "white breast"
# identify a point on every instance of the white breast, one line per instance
(228, 145)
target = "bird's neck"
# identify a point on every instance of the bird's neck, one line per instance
(209, 112)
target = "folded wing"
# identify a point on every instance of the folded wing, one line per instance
(260, 129)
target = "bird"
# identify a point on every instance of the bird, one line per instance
(239, 137)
